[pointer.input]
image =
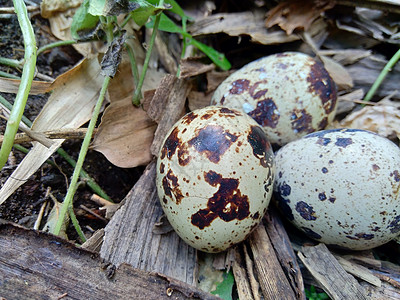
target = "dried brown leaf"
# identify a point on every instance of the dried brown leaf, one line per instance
(338, 73)
(383, 119)
(292, 14)
(125, 134)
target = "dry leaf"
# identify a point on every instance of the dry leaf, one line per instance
(69, 106)
(338, 73)
(292, 14)
(246, 23)
(383, 119)
(49, 8)
(193, 66)
(126, 132)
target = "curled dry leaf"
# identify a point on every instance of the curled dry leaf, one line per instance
(383, 119)
(292, 14)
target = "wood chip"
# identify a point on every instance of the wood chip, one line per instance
(284, 252)
(240, 274)
(37, 265)
(273, 281)
(129, 237)
(335, 281)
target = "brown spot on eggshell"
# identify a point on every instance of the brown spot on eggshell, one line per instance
(227, 203)
(226, 111)
(343, 142)
(323, 123)
(322, 85)
(395, 175)
(183, 156)
(188, 118)
(301, 121)
(365, 236)
(171, 187)
(266, 113)
(212, 141)
(261, 147)
(394, 226)
(375, 167)
(207, 116)
(306, 211)
(170, 144)
(162, 168)
(239, 86)
(256, 94)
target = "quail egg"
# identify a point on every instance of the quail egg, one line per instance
(289, 94)
(215, 174)
(341, 187)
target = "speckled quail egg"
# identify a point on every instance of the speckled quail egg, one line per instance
(341, 187)
(215, 174)
(289, 94)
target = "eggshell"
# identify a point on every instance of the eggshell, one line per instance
(215, 176)
(341, 187)
(289, 94)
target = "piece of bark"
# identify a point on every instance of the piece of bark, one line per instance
(193, 66)
(160, 98)
(129, 237)
(385, 292)
(255, 285)
(172, 112)
(284, 252)
(335, 281)
(95, 241)
(273, 281)
(240, 274)
(165, 56)
(358, 271)
(36, 265)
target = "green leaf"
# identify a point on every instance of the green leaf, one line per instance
(142, 14)
(224, 289)
(167, 25)
(83, 20)
(217, 58)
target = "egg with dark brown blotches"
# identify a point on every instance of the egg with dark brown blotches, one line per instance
(341, 187)
(215, 174)
(289, 94)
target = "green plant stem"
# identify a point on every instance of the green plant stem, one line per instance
(82, 154)
(138, 91)
(26, 81)
(7, 75)
(135, 71)
(75, 222)
(8, 105)
(55, 44)
(85, 176)
(126, 20)
(388, 67)
(11, 62)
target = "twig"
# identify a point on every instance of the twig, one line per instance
(64, 133)
(26, 81)
(11, 10)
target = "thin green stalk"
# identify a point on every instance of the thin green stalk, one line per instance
(75, 222)
(138, 91)
(8, 105)
(126, 20)
(26, 81)
(55, 44)
(135, 71)
(11, 62)
(82, 154)
(8, 75)
(85, 176)
(26, 151)
(388, 67)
